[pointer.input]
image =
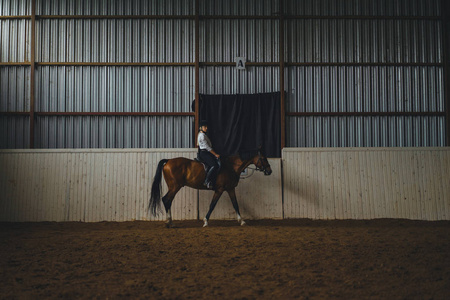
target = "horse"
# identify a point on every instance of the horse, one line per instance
(179, 172)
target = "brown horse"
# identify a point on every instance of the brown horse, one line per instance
(180, 172)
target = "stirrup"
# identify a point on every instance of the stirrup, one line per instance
(209, 185)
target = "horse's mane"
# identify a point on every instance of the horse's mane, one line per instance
(247, 154)
(242, 154)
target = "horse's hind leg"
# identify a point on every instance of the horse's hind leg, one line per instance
(232, 194)
(167, 201)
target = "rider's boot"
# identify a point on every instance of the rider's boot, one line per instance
(210, 178)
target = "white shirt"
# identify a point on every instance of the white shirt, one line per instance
(204, 142)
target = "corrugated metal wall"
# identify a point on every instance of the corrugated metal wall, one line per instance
(15, 7)
(14, 80)
(115, 88)
(14, 40)
(344, 60)
(402, 131)
(239, 7)
(106, 7)
(115, 40)
(374, 88)
(228, 80)
(14, 132)
(113, 132)
(346, 183)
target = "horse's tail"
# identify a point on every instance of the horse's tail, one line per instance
(155, 198)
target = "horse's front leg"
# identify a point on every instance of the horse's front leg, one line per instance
(232, 194)
(215, 198)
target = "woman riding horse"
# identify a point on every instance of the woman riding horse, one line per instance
(179, 172)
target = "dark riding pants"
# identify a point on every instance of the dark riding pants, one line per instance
(211, 161)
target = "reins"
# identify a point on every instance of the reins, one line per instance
(263, 169)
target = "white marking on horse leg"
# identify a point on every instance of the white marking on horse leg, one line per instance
(239, 219)
(169, 218)
(206, 222)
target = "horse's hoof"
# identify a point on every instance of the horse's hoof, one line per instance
(169, 224)
(243, 223)
(206, 223)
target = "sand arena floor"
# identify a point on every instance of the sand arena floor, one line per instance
(381, 259)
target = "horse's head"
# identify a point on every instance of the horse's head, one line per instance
(261, 163)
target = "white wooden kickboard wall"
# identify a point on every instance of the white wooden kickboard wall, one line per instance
(92, 185)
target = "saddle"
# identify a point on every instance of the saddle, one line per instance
(205, 166)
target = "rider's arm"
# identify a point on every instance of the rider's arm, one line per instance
(214, 153)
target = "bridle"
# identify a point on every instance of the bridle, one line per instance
(260, 161)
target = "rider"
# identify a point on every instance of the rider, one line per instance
(207, 155)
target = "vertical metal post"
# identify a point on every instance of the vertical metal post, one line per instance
(32, 71)
(197, 69)
(445, 16)
(197, 86)
(281, 54)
